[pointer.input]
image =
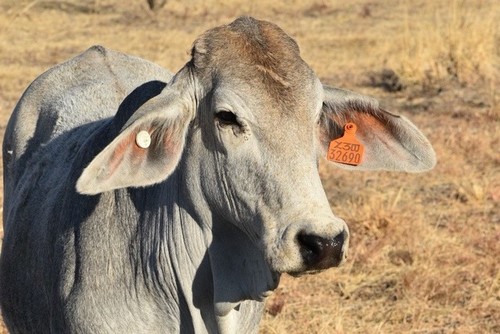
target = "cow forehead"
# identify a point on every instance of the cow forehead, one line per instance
(260, 56)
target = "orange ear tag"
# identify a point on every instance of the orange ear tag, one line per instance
(346, 149)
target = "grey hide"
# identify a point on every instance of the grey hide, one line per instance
(190, 232)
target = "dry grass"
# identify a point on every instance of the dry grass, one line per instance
(425, 248)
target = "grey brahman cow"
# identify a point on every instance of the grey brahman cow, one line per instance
(137, 201)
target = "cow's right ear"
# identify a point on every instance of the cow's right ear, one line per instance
(146, 151)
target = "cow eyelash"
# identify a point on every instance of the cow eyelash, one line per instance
(226, 118)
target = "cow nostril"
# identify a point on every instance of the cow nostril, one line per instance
(319, 252)
(310, 247)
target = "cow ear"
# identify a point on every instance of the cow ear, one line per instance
(391, 142)
(146, 151)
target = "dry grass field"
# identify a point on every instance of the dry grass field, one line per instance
(425, 248)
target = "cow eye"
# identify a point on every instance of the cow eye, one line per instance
(226, 118)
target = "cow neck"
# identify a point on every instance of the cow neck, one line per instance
(171, 260)
(232, 264)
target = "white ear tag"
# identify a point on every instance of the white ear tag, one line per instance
(143, 139)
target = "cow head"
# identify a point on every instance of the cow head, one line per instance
(247, 120)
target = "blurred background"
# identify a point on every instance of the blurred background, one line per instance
(425, 248)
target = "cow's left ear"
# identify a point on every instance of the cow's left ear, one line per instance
(391, 142)
(146, 151)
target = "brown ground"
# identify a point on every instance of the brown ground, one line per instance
(425, 247)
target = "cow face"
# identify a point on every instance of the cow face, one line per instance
(247, 119)
(258, 121)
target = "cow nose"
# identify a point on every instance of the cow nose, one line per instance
(321, 253)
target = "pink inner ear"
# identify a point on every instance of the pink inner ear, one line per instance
(368, 125)
(126, 147)
(128, 152)
(383, 139)
(172, 143)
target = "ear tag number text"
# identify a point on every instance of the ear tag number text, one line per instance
(346, 149)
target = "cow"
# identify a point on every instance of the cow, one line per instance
(140, 201)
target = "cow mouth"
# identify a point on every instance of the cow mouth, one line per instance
(297, 274)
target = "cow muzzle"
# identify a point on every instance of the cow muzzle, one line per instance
(319, 252)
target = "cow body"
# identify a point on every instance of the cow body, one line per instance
(189, 234)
